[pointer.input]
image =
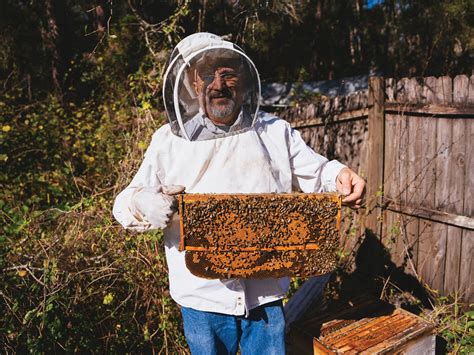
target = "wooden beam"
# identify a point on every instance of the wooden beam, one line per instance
(375, 154)
(343, 117)
(432, 215)
(431, 110)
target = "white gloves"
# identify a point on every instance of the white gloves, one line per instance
(155, 205)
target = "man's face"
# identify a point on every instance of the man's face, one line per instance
(219, 90)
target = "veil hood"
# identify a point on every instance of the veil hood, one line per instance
(192, 56)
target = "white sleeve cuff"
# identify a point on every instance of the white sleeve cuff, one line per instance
(329, 174)
(126, 214)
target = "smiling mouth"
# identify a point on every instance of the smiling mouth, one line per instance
(222, 100)
(220, 94)
(220, 97)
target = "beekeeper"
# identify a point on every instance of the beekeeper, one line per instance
(217, 141)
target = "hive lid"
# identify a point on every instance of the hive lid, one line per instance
(259, 235)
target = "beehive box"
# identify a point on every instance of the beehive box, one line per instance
(363, 326)
(259, 235)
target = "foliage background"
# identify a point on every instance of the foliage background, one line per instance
(79, 99)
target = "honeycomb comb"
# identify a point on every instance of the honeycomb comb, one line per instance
(259, 235)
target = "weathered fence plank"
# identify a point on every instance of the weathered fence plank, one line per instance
(401, 94)
(410, 183)
(432, 253)
(443, 150)
(392, 237)
(403, 158)
(361, 140)
(444, 90)
(375, 152)
(410, 228)
(470, 95)
(414, 90)
(428, 162)
(468, 209)
(453, 260)
(392, 158)
(466, 270)
(390, 87)
(345, 144)
(456, 170)
(429, 89)
(466, 279)
(460, 89)
(456, 167)
(414, 168)
(407, 243)
(352, 232)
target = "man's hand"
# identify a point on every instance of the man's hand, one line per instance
(352, 186)
(156, 205)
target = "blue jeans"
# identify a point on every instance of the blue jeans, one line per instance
(262, 332)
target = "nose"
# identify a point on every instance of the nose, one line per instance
(218, 83)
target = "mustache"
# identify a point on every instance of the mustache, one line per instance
(225, 93)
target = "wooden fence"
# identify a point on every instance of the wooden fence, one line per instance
(412, 139)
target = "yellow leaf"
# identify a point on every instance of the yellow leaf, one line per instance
(89, 158)
(108, 298)
(22, 273)
(6, 128)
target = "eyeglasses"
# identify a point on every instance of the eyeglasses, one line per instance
(230, 77)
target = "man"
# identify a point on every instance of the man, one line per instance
(218, 141)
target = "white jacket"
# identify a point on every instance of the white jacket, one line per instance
(270, 157)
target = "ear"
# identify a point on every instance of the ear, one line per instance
(197, 88)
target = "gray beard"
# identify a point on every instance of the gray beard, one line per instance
(221, 112)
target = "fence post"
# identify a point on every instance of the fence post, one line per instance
(375, 154)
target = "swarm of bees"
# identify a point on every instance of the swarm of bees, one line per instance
(259, 235)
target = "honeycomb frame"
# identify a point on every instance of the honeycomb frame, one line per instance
(259, 235)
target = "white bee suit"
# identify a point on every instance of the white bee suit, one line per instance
(268, 156)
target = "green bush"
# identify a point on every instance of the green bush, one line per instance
(76, 281)
(73, 280)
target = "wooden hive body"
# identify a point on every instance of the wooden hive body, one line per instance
(259, 235)
(363, 326)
